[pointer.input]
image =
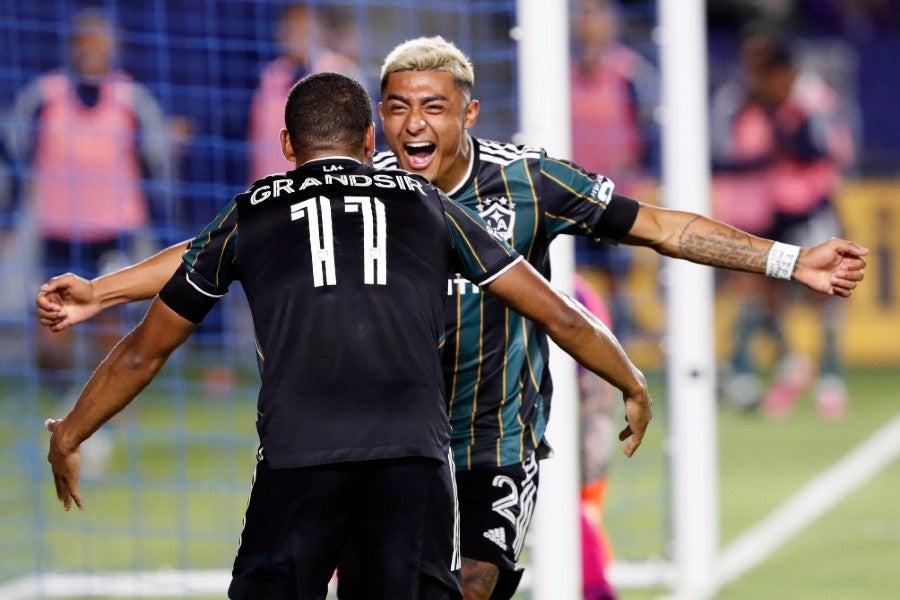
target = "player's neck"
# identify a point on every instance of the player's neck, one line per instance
(460, 170)
(354, 153)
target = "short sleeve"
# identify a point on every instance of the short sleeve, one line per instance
(574, 200)
(208, 267)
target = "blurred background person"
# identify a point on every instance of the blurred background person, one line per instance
(8, 193)
(308, 42)
(597, 404)
(15, 255)
(613, 96)
(92, 145)
(781, 144)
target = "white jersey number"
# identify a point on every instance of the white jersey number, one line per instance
(321, 241)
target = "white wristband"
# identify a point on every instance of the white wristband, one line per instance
(781, 261)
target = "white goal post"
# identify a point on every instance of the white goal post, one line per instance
(543, 35)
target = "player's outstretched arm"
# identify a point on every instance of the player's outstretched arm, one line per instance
(581, 335)
(129, 367)
(833, 267)
(69, 299)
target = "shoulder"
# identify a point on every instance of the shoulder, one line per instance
(276, 70)
(404, 181)
(49, 84)
(505, 153)
(275, 80)
(626, 61)
(261, 188)
(120, 80)
(812, 92)
(384, 160)
(328, 60)
(123, 86)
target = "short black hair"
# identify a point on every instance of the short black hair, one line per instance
(327, 111)
(769, 47)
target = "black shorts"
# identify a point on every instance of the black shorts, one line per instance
(399, 513)
(495, 509)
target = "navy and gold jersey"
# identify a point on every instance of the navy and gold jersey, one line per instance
(345, 269)
(494, 360)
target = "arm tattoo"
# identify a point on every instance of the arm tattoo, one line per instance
(722, 247)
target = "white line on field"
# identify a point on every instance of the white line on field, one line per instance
(815, 499)
(124, 585)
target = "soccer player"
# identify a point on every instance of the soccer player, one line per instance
(345, 270)
(494, 360)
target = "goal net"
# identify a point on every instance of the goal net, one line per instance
(166, 484)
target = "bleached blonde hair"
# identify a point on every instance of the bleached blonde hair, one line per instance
(430, 54)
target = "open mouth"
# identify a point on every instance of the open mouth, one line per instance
(419, 154)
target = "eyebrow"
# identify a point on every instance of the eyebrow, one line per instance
(425, 100)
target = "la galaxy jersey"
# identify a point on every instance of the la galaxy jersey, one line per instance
(494, 360)
(345, 271)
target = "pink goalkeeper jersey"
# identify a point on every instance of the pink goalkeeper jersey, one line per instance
(789, 183)
(86, 176)
(797, 184)
(605, 135)
(267, 108)
(267, 119)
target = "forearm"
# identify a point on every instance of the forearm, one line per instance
(572, 326)
(140, 281)
(116, 382)
(128, 368)
(593, 345)
(699, 239)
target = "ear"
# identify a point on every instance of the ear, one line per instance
(471, 115)
(381, 112)
(369, 141)
(286, 148)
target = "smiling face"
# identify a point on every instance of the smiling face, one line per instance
(425, 115)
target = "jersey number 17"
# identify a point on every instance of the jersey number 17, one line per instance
(321, 241)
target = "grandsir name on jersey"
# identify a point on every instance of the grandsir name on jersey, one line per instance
(285, 185)
(345, 268)
(494, 360)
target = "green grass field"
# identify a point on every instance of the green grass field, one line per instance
(850, 553)
(177, 487)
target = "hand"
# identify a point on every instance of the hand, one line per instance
(637, 415)
(65, 468)
(66, 300)
(834, 267)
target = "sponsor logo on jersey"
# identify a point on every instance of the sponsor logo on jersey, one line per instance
(459, 285)
(500, 214)
(497, 535)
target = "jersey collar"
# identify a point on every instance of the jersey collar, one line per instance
(331, 159)
(465, 181)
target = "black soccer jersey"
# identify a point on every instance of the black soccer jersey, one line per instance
(345, 268)
(494, 360)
